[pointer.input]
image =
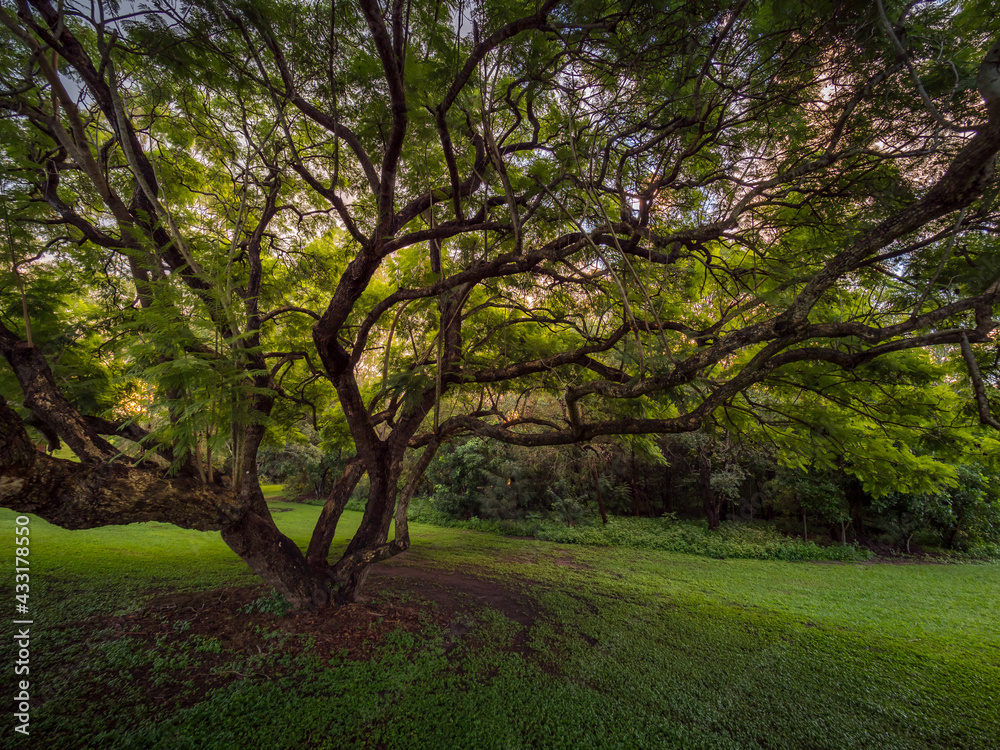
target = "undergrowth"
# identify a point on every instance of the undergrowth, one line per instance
(747, 541)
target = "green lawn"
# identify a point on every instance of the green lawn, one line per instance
(627, 649)
(273, 491)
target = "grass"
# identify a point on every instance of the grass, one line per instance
(629, 648)
(273, 491)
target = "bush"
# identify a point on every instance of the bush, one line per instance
(733, 540)
(986, 551)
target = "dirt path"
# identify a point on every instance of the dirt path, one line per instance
(452, 592)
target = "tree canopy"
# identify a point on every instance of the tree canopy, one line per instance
(538, 222)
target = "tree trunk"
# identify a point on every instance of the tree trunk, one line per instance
(371, 542)
(952, 535)
(326, 525)
(668, 486)
(856, 508)
(635, 485)
(258, 541)
(707, 493)
(276, 558)
(600, 498)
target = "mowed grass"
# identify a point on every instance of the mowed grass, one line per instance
(629, 649)
(273, 491)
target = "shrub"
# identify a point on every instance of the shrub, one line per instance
(732, 540)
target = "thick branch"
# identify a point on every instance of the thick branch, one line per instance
(326, 525)
(46, 401)
(982, 402)
(82, 496)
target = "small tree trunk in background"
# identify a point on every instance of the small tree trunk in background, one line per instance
(668, 484)
(805, 528)
(706, 491)
(953, 535)
(600, 498)
(843, 532)
(210, 474)
(635, 486)
(856, 507)
(195, 459)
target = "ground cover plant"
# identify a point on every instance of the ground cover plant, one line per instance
(730, 540)
(149, 636)
(370, 229)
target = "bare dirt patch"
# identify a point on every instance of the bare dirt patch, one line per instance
(222, 635)
(454, 593)
(567, 562)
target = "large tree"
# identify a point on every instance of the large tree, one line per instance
(646, 214)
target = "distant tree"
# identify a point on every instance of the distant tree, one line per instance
(964, 514)
(540, 222)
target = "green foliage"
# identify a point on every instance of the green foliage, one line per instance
(273, 604)
(466, 470)
(484, 485)
(816, 492)
(304, 465)
(732, 541)
(63, 322)
(966, 516)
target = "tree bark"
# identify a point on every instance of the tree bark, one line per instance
(47, 403)
(370, 544)
(255, 537)
(326, 526)
(275, 558)
(600, 498)
(635, 484)
(97, 492)
(87, 495)
(705, 489)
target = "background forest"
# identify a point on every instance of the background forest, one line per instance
(560, 494)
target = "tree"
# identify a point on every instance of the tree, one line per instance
(539, 222)
(964, 514)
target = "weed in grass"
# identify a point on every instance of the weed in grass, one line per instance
(273, 604)
(206, 645)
